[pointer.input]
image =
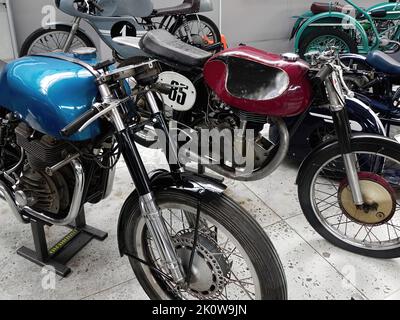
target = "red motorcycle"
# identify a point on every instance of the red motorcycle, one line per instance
(344, 185)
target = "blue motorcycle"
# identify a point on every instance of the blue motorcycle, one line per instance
(65, 120)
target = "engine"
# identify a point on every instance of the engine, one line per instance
(10, 153)
(34, 187)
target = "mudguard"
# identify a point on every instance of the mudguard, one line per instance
(64, 24)
(362, 119)
(299, 22)
(194, 184)
(367, 138)
(329, 17)
(355, 58)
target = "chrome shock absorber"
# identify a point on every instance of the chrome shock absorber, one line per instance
(187, 29)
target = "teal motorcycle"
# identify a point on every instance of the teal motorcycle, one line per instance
(349, 27)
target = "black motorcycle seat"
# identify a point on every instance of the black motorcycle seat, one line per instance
(187, 7)
(382, 62)
(2, 65)
(163, 45)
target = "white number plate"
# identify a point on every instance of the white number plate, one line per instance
(183, 95)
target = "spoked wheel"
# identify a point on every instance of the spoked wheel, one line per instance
(233, 259)
(322, 39)
(53, 40)
(203, 31)
(326, 199)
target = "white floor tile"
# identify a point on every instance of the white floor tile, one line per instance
(279, 191)
(375, 278)
(309, 276)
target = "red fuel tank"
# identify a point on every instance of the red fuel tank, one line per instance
(260, 82)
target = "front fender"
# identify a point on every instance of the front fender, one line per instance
(197, 185)
(325, 18)
(362, 119)
(62, 23)
(299, 22)
(322, 148)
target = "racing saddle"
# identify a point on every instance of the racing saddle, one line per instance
(187, 7)
(385, 63)
(162, 45)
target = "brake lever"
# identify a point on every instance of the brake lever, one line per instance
(108, 107)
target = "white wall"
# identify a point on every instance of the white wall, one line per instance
(265, 24)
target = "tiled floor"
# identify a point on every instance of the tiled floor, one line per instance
(314, 268)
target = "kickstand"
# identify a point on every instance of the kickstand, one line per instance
(65, 249)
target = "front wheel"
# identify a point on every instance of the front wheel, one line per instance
(322, 39)
(45, 40)
(326, 199)
(234, 258)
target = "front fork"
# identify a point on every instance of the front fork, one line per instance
(71, 36)
(148, 204)
(343, 132)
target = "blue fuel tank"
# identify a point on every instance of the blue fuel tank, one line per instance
(48, 94)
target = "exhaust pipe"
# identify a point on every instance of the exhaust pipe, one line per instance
(75, 207)
(263, 172)
(6, 195)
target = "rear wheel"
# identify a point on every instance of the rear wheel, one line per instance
(203, 31)
(234, 258)
(322, 39)
(53, 39)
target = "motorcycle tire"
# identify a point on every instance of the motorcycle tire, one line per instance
(315, 33)
(308, 178)
(62, 29)
(207, 21)
(224, 213)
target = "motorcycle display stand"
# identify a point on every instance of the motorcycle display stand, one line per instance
(63, 251)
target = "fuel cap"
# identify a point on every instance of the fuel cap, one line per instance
(291, 57)
(84, 53)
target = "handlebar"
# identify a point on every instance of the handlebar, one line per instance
(74, 126)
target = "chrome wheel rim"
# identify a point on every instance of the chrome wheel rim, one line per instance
(201, 32)
(54, 41)
(243, 283)
(325, 199)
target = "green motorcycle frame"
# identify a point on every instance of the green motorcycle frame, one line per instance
(370, 29)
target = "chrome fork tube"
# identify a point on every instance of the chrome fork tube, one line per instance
(343, 132)
(352, 177)
(160, 234)
(148, 204)
(71, 36)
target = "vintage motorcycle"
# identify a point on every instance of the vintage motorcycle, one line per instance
(64, 123)
(351, 28)
(110, 18)
(343, 186)
(375, 78)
